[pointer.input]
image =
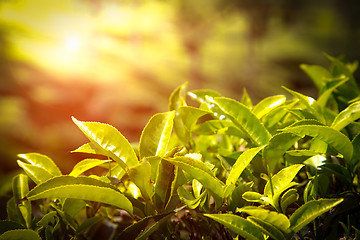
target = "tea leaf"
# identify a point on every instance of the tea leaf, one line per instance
(311, 104)
(243, 160)
(251, 196)
(190, 115)
(267, 228)
(347, 116)
(279, 220)
(239, 225)
(85, 165)
(177, 97)
(309, 211)
(72, 206)
(177, 100)
(277, 147)
(326, 94)
(20, 188)
(318, 74)
(244, 119)
(217, 126)
(282, 179)
(49, 218)
(279, 183)
(187, 198)
(246, 100)
(267, 105)
(201, 172)
(37, 174)
(150, 229)
(42, 161)
(356, 156)
(135, 229)
(141, 176)
(91, 149)
(155, 137)
(109, 139)
(20, 234)
(202, 95)
(164, 179)
(288, 198)
(329, 135)
(84, 188)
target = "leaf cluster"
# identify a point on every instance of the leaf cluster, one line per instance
(280, 169)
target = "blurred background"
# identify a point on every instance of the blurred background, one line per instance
(118, 61)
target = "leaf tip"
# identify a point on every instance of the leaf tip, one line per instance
(74, 119)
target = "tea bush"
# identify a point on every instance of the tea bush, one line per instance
(280, 169)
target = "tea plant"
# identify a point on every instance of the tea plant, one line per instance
(280, 169)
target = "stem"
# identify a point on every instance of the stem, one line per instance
(271, 185)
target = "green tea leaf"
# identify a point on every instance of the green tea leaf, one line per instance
(72, 206)
(277, 147)
(37, 174)
(244, 119)
(136, 228)
(150, 229)
(267, 228)
(20, 188)
(251, 196)
(329, 135)
(330, 88)
(339, 68)
(311, 104)
(309, 211)
(315, 161)
(356, 156)
(288, 198)
(200, 171)
(188, 198)
(47, 219)
(319, 75)
(279, 183)
(85, 188)
(267, 105)
(179, 180)
(190, 115)
(155, 137)
(239, 225)
(20, 234)
(141, 176)
(13, 212)
(164, 179)
(347, 116)
(246, 100)
(177, 97)
(202, 95)
(241, 163)
(110, 140)
(91, 149)
(85, 165)
(41, 161)
(177, 100)
(279, 220)
(217, 126)
(277, 117)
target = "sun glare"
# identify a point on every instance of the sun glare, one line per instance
(72, 43)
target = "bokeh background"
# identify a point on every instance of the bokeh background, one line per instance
(118, 61)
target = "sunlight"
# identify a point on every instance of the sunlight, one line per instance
(73, 43)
